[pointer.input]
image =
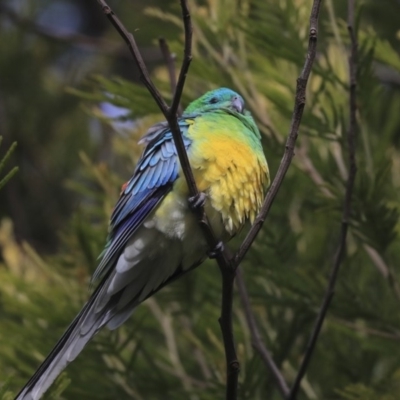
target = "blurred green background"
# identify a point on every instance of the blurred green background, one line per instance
(70, 97)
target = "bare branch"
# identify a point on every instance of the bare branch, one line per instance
(170, 116)
(256, 340)
(290, 143)
(170, 112)
(187, 59)
(225, 322)
(227, 270)
(130, 41)
(227, 265)
(351, 134)
(169, 59)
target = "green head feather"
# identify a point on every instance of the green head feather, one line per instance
(215, 100)
(223, 99)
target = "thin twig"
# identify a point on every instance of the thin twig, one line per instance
(366, 329)
(226, 265)
(256, 340)
(290, 143)
(169, 59)
(225, 322)
(170, 113)
(130, 41)
(351, 134)
(228, 277)
(187, 59)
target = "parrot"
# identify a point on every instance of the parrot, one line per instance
(154, 237)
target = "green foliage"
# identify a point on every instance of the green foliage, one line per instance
(172, 347)
(5, 394)
(388, 390)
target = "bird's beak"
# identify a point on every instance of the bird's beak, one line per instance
(237, 104)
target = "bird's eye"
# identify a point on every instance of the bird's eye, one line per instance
(213, 100)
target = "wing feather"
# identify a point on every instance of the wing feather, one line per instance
(152, 180)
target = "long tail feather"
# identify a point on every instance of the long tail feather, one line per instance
(86, 324)
(67, 348)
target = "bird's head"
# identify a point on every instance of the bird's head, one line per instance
(215, 100)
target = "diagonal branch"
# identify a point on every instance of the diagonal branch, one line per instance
(187, 24)
(130, 41)
(170, 113)
(228, 277)
(258, 345)
(299, 104)
(351, 135)
(256, 340)
(226, 264)
(170, 63)
(283, 168)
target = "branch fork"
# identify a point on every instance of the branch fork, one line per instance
(229, 264)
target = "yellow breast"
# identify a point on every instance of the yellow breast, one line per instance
(230, 170)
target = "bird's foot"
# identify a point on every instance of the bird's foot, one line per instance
(218, 249)
(197, 201)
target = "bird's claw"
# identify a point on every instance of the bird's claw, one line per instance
(218, 249)
(195, 202)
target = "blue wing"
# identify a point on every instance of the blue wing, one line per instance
(153, 178)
